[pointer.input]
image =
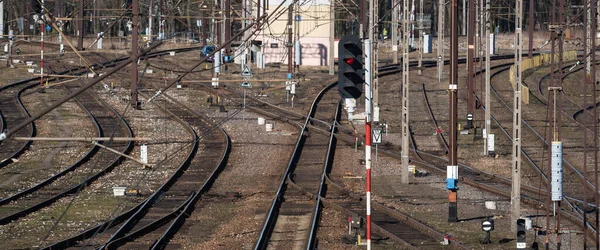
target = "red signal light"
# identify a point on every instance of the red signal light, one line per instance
(350, 61)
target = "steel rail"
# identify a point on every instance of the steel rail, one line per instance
(413, 223)
(534, 165)
(23, 110)
(312, 241)
(270, 220)
(71, 168)
(74, 188)
(134, 212)
(184, 210)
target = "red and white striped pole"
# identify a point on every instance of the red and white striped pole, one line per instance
(368, 167)
(368, 109)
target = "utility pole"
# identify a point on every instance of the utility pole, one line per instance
(368, 136)
(330, 60)
(530, 28)
(134, 53)
(80, 25)
(440, 37)
(394, 31)
(405, 93)
(452, 180)
(464, 18)
(594, 27)
(248, 33)
(227, 26)
(374, 35)
(42, 29)
(420, 33)
(470, 65)
(2, 18)
(11, 36)
(557, 28)
(296, 41)
(218, 27)
(58, 8)
(290, 41)
(587, 36)
(488, 103)
(364, 22)
(516, 149)
(150, 17)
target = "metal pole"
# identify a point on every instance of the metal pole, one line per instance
(594, 27)
(42, 45)
(440, 37)
(80, 25)
(374, 35)
(134, 54)
(587, 35)
(58, 8)
(150, 17)
(364, 22)
(330, 60)
(517, 104)
(228, 25)
(405, 94)
(562, 22)
(394, 31)
(551, 114)
(368, 110)
(420, 33)
(9, 62)
(290, 42)
(470, 65)
(464, 18)
(121, 154)
(244, 114)
(2, 18)
(84, 139)
(453, 89)
(488, 104)
(530, 28)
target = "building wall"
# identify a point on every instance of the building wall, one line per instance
(313, 30)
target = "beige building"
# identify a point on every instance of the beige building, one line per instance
(310, 27)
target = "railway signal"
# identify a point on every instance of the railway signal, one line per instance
(487, 226)
(350, 67)
(521, 240)
(36, 6)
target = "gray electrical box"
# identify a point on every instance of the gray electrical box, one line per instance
(427, 44)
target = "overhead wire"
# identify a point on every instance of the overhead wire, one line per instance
(123, 114)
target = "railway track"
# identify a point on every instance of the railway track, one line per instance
(95, 164)
(150, 227)
(184, 203)
(12, 111)
(386, 222)
(72, 179)
(571, 211)
(289, 220)
(153, 222)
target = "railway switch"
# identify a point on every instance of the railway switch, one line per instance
(350, 67)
